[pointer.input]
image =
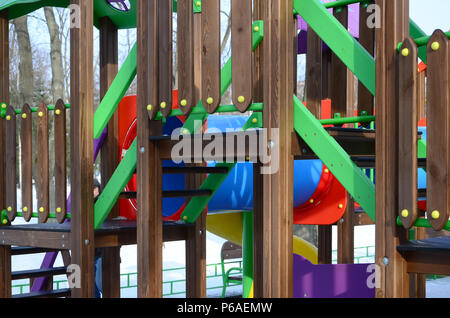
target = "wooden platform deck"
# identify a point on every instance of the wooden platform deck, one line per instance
(112, 233)
(428, 256)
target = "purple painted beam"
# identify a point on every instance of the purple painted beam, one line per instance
(333, 280)
(50, 257)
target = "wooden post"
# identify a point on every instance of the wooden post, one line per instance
(346, 234)
(81, 133)
(394, 28)
(196, 243)
(149, 169)
(258, 218)
(110, 150)
(5, 251)
(277, 176)
(314, 73)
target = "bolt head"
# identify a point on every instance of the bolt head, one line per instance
(149, 107)
(256, 29)
(405, 213)
(435, 46)
(385, 261)
(8, 117)
(86, 242)
(24, 116)
(58, 112)
(41, 114)
(163, 105)
(435, 214)
(241, 99)
(183, 102)
(210, 100)
(405, 52)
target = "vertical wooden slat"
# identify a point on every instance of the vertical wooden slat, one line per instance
(326, 74)
(324, 242)
(258, 194)
(314, 73)
(367, 40)
(81, 147)
(26, 140)
(60, 161)
(10, 163)
(196, 243)
(211, 55)
(278, 179)
(407, 173)
(165, 9)
(421, 98)
(149, 170)
(241, 44)
(109, 151)
(394, 280)
(438, 130)
(339, 73)
(346, 234)
(43, 184)
(5, 251)
(185, 51)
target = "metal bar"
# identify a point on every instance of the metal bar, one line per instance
(343, 3)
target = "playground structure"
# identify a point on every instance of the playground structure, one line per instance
(321, 146)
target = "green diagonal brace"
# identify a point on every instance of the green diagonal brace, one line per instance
(127, 166)
(116, 184)
(115, 93)
(335, 158)
(340, 41)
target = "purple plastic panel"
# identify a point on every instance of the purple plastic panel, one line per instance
(333, 281)
(353, 22)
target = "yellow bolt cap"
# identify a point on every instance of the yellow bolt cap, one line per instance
(255, 120)
(41, 114)
(41, 209)
(24, 116)
(58, 112)
(198, 3)
(5, 222)
(58, 210)
(326, 171)
(241, 99)
(4, 105)
(163, 105)
(405, 52)
(9, 209)
(405, 213)
(183, 102)
(185, 218)
(256, 28)
(435, 214)
(210, 100)
(25, 209)
(340, 206)
(149, 107)
(311, 201)
(8, 117)
(435, 46)
(185, 131)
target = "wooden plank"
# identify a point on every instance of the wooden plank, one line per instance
(165, 9)
(149, 172)
(42, 176)
(278, 183)
(438, 130)
(324, 242)
(258, 194)
(26, 141)
(241, 45)
(339, 73)
(367, 40)
(394, 280)
(346, 234)
(326, 74)
(10, 163)
(421, 97)
(428, 263)
(196, 240)
(407, 174)
(110, 150)
(60, 161)
(211, 55)
(81, 147)
(185, 51)
(5, 251)
(314, 73)
(43, 239)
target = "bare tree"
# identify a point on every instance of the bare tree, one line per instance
(55, 54)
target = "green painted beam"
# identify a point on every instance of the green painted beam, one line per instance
(335, 158)
(115, 93)
(340, 41)
(115, 186)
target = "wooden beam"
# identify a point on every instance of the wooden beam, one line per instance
(394, 281)
(81, 123)
(346, 234)
(324, 242)
(110, 150)
(278, 174)
(149, 171)
(314, 73)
